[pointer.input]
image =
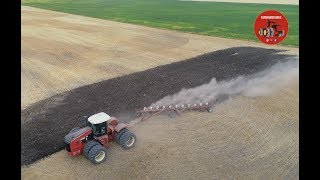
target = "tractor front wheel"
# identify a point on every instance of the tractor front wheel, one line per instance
(97, 154)
(127, 140)
(88, 146)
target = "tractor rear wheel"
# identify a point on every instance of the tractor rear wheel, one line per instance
(89, 145)
(268, 32)
(97, 154)
(281, 34)
(127, 140)
(118, 134)
(271, 32)
(260, 31)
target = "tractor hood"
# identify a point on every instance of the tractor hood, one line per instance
(69, 137)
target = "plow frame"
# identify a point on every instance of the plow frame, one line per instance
(172, 110)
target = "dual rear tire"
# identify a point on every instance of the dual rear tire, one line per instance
(95, 152)
(125, 138)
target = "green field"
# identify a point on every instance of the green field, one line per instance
(230, 20)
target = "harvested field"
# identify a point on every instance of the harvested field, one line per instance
(247, 138)
(62, 51)
(45, 123)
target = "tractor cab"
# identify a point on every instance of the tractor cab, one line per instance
(98, 123)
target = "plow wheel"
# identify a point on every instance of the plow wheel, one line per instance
(172, 114)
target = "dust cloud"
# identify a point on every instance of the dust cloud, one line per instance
(262, 83)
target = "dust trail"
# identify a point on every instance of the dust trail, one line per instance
(260, 84)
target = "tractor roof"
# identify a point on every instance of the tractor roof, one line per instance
(98, 118)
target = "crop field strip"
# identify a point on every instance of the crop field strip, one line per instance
(222, 19)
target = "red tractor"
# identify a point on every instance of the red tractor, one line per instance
(94, 139)
(272, 29)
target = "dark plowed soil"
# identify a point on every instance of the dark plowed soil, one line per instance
(45, 123)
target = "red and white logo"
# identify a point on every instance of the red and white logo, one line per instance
(271, 27)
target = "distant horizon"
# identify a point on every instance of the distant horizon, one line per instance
(285, 2)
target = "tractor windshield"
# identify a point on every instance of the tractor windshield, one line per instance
(99, 129)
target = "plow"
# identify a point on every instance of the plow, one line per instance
(172, 110)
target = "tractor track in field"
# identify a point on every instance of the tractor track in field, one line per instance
(45, 123)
